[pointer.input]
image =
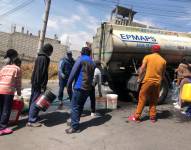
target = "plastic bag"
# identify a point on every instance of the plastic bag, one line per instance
(175, 92)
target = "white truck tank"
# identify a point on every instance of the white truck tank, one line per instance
(120, 43)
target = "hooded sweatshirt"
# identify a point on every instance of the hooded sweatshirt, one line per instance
(40, 72)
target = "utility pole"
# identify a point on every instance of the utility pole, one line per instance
(45, 21)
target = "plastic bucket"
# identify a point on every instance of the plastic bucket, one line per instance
(112, 101)
(17, 107)
(101, 103)
(43, 101)
(186, 92)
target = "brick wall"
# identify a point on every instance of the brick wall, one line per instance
(26, 45)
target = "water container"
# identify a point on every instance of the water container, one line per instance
(17, 107)
(112, 101)
(43, 101)
(101, 103)
(175, 92)
(186, 92)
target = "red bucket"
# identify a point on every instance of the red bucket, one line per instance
(43, 101)
(17, 107)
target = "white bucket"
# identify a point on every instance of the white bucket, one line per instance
(101, 103)
(112, 101)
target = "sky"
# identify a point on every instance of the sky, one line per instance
(76, 21)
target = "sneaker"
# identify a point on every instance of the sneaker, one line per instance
(35, 124)
(1, 132)
(177, 107)
(95, 115)
(132, 118)
(153, 119)
(72, 130)
(6, 131)
(175, 103)
(183, 112)
(60, 105)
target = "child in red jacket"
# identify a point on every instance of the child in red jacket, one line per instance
(10, 82)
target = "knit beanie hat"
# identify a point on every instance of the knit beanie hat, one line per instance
(155, 48)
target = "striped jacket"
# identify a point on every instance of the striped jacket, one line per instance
(10, 80)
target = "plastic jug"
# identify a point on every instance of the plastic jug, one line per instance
(186, 92)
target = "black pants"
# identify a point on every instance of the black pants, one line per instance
(92, 99)
(33, 110)
(5, 109)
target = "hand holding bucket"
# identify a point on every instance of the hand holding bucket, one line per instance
(43, 101)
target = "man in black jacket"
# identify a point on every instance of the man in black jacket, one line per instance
(39, 81)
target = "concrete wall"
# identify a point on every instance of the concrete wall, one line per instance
(27, 44)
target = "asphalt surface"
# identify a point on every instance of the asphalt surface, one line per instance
(111, 131)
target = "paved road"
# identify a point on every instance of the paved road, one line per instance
(109, 132)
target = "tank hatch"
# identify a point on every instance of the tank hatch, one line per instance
(122, 16)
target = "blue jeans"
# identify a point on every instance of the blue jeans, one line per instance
(79, 98)
(33, 110)
(5, 110)
(62, 85)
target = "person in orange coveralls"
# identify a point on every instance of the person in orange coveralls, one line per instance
(154, 66)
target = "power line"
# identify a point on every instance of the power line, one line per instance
(22, 5)
(152, 14)
(7, 5)
(145, 6)
(140, 14)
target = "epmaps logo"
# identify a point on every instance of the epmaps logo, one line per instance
(138, 38)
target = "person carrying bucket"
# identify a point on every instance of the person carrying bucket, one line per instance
(10, 82)
(39, 82)
(184, 69)
(154, 67)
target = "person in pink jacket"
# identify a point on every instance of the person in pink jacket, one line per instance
(10, 82)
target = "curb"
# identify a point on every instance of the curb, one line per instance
(29, 81)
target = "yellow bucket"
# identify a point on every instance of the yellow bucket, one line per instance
(186, 92)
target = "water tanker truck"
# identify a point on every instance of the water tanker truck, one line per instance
(121, 44)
